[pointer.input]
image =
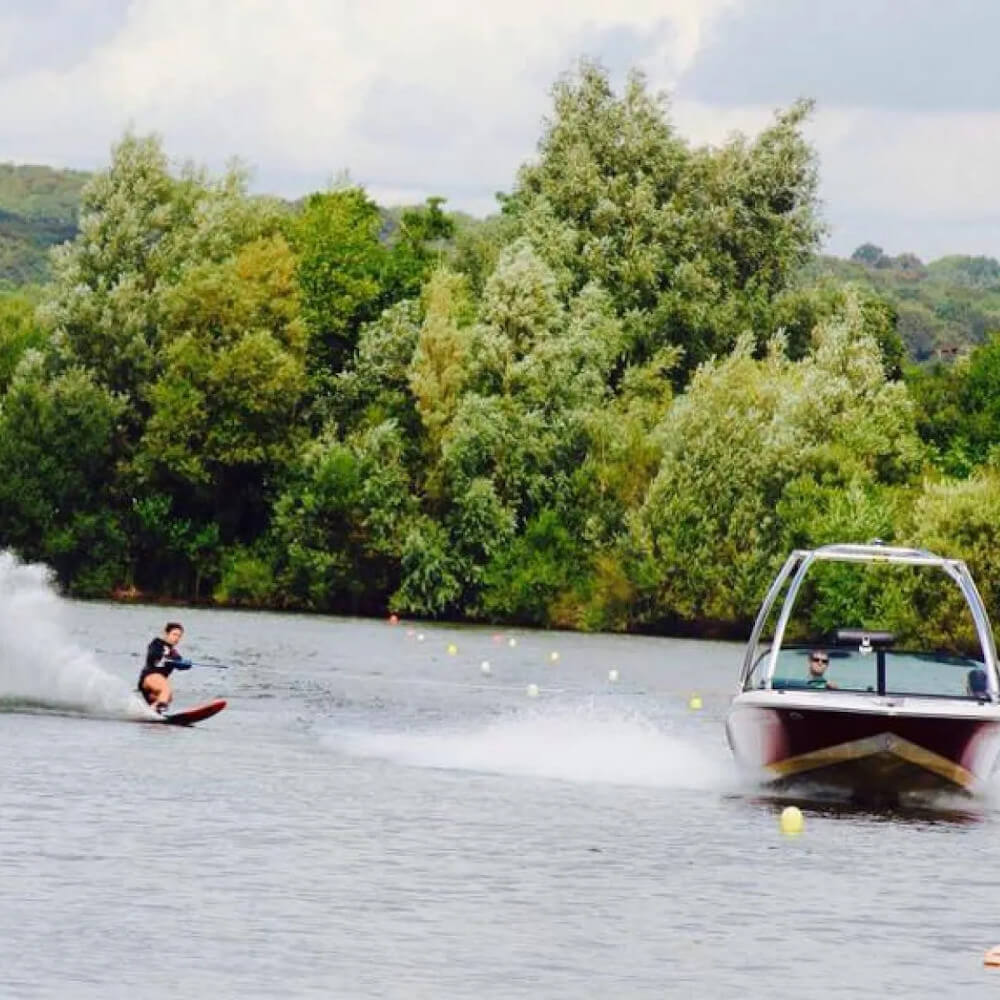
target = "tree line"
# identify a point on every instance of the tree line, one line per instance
(614, 405)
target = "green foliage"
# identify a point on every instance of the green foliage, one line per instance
(748, 448)
(943, 308)
(476, 247)
(376, 386)
(800, 309)
(347, 272)
(524, 580)
(56, 450)
(140, 231)
(173, 552)
(418, 246)
(618, 403)
(340, 524)
(958, 519)
(511, 441)
(971, 272)
(38, 208)
(25, 245)
(37, 192)
(20, 332)
(440, 360)
(179, 297)
(958, 409)
(430, 583)
(341, 270)
(247, 579)
(222, 413)
(846, 595)
(692, 245)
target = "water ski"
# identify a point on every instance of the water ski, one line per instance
(192, 715)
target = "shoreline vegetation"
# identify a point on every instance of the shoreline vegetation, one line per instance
(615, 405)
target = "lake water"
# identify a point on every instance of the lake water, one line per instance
(373, 816)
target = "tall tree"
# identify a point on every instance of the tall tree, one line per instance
(754, 452)
(342, 272)
(179, 298)
(57, 454)
(692, 244)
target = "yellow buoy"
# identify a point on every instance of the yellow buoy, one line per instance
(791, 820)
(512, 642)
(694, 702)
(532, 691)
(452, 649)
(420, 637)
(612, 675)
(553, 657)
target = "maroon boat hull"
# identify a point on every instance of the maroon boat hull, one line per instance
(869, 753)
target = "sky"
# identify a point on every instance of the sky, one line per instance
(446, 97)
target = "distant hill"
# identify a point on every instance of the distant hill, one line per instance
(38, 209)
(38, 192)
(943, 308)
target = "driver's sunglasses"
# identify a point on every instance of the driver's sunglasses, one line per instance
(820, 659)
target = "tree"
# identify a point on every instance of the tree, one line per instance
(868, 254)
(375, 387)
(56, 450)
(341, 524)
(342, 269)
(958, 520)
(958, 409)
(20, 332)
(349, 272)
(741, 447)
(692, 245)
(417, 248)
(179, 298)
(140, 228)
(438, 367)
(223, 423)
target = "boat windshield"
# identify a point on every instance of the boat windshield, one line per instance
(906, 673)
(889, 621)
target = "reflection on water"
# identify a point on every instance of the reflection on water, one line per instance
(943, 809)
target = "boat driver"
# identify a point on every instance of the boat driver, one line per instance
(819, 660)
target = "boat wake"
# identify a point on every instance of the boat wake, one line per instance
(587, 744)
(41, 670)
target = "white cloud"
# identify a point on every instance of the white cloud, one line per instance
(447, 97)
(416, 96)
(917, 181)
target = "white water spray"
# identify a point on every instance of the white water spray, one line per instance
(587, 744)
(40, 668)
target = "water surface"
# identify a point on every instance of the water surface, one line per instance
(374, 816)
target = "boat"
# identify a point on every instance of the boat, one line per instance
(876, 724)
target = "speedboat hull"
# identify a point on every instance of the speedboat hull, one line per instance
(874, 749)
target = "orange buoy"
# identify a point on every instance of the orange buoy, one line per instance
(992, 957)
(393, 619)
